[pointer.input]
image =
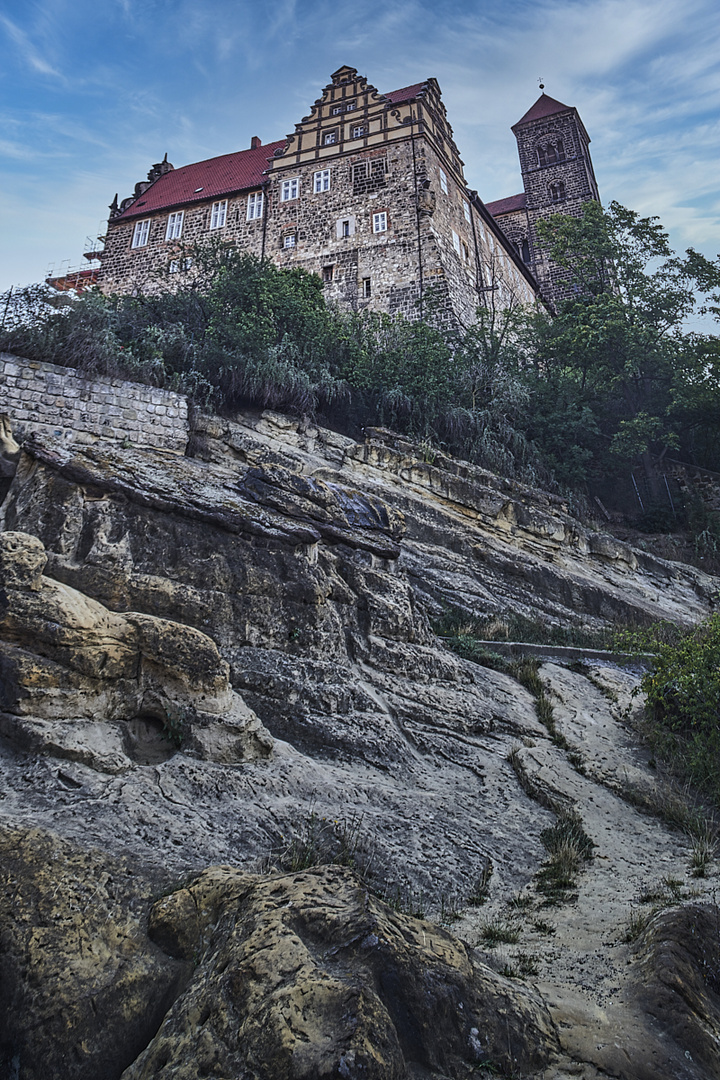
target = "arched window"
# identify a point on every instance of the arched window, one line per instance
(557, 192)
(551, 152)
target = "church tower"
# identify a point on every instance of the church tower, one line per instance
(557, 176)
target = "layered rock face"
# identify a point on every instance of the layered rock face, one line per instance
(226, 658)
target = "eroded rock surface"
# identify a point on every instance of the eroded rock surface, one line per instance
(307, 976)
(82, 682)
(280, 581)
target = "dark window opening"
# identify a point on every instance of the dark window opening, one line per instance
(551, 153)
(327, 273)
(557, 192)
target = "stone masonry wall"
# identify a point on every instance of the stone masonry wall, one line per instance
(48, 398)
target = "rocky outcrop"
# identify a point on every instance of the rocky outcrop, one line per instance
(82, 988)
(85, 683)
(164, 618)
(307, 976)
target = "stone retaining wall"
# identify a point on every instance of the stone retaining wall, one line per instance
(48, 398)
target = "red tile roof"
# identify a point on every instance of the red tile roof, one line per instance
(505, 206)
(544, 106)
(215, 177)
(223, 175)
(406, 94)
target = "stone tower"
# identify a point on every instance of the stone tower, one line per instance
(557, 176)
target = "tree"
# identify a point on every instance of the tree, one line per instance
(618, 350)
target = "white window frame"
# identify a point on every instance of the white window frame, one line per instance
(358, 132)
(350, 106)
(175, 225)
(289, 241)
(443, 181)
(254, 206)
(338, 109)
(218, 214)
(380, 221)
(290, 189)
(366, 288)
(466, 211)
(329, 138)
(456, 241)
(141, 233)
(321, 181)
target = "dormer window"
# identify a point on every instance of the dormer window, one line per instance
(557, 192)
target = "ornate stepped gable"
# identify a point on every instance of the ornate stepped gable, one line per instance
(368, 192)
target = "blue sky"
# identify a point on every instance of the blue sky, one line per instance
(92, 92)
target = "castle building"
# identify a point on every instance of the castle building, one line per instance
(369, 193)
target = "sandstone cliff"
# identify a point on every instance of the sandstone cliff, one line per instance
(225, 660)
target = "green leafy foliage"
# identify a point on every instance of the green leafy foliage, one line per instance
(236, 331)
(683, 696)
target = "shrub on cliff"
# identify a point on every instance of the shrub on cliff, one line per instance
(243, 332)
(683, 699)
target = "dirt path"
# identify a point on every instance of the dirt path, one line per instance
(577, 952)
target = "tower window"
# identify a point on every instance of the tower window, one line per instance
(380, 222)
(443, 182)
(366, 288)
(456, 241)
(327, 273)
(551, 153)
(525, 251)
(466, 211)
(557, 192)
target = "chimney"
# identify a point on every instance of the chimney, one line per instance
(255, 142)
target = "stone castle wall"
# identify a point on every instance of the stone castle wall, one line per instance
(346, 167)
(48, 398)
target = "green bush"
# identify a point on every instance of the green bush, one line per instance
(683, 698)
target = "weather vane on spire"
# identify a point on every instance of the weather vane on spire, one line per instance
(541, 83)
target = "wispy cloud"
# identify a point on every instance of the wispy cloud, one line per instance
(28, 52)
(118, 83)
